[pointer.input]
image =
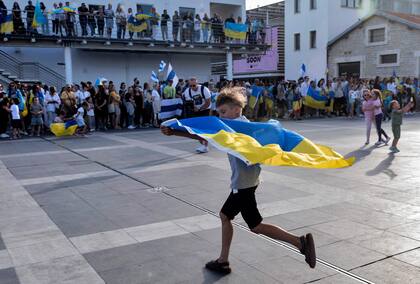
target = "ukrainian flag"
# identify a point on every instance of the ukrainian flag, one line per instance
(261, 143)
(39, 18)
(136, 26)
(237, 31)
(6, 24)
(315, 100)
(64, 129)
(256, 95)
(69, 9)
(142, 17)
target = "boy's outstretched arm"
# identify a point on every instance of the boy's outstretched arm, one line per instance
(169, 132)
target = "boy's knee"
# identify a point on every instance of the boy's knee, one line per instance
(224, 218)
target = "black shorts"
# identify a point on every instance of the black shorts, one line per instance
(16, 123)
(245, 203)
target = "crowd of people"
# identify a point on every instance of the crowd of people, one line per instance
(101, 21)
(106, 106)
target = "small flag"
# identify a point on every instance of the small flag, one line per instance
(170, 108)
(302, 70)
(136, 26)
(236, 31)
(154, 77)
(100, 81)
(162, 66)
(39, 18)
(171, 75)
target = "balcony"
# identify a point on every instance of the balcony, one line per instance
(151, 40)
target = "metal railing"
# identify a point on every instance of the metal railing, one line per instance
(30, 71)
(187, 31)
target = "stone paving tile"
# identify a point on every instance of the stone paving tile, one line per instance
(8, 276)
(411, 257)
(344, 229)
(347, 255)
(40, 160)
(71, 269)
(390, 271)
(5, 260)
(92, 141)
(27, 147)
(386, 243)
(1, 243)
(337, 278)
(411, 230)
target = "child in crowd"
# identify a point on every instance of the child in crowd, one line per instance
(60, 118)
(397, 117)
(36, 121)
(91, 114)
(244, 182)
(79, 116)
(368, 106)
(16, 122)
(387, 105)
(377, 96)
(296, 104)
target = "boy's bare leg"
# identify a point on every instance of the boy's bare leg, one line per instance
(278, 234)
(227, 234)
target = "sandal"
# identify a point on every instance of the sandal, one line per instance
(308, 249)
(220, 267)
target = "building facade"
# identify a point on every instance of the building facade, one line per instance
(311, 24)
(383, 44)
(122, 63)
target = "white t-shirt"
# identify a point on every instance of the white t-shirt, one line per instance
(52, 106)
(82, 96)
(392, 87)
(304, 87)
(197, 97)
(156, 101)
(80, 113)
(15, 112)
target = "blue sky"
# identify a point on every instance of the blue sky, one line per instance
(250, 4)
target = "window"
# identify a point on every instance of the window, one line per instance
(376, 35)
(183, 11)
(388, 58)
(297, 6)
(351, 3)
(297, 42)
(144, 8)
(312, 37)
(312, 4)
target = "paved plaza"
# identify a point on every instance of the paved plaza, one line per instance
(137, 207)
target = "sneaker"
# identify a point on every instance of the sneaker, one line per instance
(4, 135)
(202, 149)
(387, 140)
(378, 143)
(131, 127)
(367, 143)
(394, 149)
(308, 249)
(220, 267)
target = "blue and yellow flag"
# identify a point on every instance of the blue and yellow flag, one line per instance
(141, 16)
(136, 26)
(6, 24)
(315, 100)
(261, 143)
(39, 18)
(236, 31)
(64, 129)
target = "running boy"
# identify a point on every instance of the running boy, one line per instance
(244, 182)
(80, 117)
(397, 117)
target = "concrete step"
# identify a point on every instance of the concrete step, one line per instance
(12, 77)
(2, 70)
(6, 74)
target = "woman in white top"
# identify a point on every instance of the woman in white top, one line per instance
(121, 21)
(197, 28)
(156, 104)
(52, 101)
(109, 20)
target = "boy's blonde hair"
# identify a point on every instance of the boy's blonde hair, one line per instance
(232, 96)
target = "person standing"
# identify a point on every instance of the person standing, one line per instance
(109, 16)
(377, 97)
(156, 104)
(154, 22)
(30, 13)
(169, 90)
(176, 21)
(164, 24)
(91, 22)
(100, 19)
(83, 18)
(18, 26)
(206, 27)
(198, 103)
(45, 26)
(52, 101)
(121, 21)
(197, 28)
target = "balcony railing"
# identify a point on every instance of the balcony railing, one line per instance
(108, 30)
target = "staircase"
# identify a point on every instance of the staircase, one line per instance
(12, 69)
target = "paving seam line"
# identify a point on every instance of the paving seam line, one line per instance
(273, 241)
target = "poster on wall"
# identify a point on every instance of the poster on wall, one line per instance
(267, 62)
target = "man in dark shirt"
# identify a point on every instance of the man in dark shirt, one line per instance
(83, 13)
(30, 12)
(164, 24)
(175, 25)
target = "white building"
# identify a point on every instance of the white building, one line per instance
(120, 62)
(310, 25)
